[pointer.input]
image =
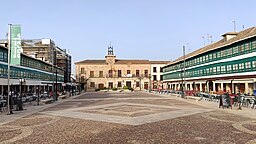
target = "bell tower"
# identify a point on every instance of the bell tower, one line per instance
(110, 57)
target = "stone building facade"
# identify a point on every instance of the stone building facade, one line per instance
(114, 73)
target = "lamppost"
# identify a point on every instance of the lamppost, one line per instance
(183, 76)
(38, 94)
(149, 82)
(56, 86)
(10, 101)
(22, 81)
(241, 98)
(9, 110)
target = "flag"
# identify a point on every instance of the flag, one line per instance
(15, 44)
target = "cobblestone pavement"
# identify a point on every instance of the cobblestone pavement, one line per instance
(132, 118)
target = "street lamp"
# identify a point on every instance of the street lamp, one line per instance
(19, 107)
(149, 82)
(183, 76)
(56, 86)
(38, 94)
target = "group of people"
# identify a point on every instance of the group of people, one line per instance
(239, 100)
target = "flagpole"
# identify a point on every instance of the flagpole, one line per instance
(9, 111)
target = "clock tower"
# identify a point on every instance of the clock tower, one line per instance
(110, 57)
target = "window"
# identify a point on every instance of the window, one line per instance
(229, 51)
(146, 73)
(128, 71)
(110, 73)
(154, 69)
(235, 67)
(210, 56)
(247, 47)
(214, 56)
(218, 69)
(119, 84)
(241, 48)
(161, 69)
(203, 59)
(248, 65)
(101, 74)
(218, 54)
(241, 66)
(229, 68)
(187, 74)
(253, 64)
(223, 69)
(92, 84)
(223, 53)
(193, 62)
(110, 85)
(210, 70)
(200, 72)
(91, 73)
(154, 77)
(254, 45)
(235, 50)
(207, 71)
(82, 70)
(5, 57)
(137, 73)
(1, 56)
(206, 58)
(137, 84)
(119, 73)
(161, 77)
(214, 70)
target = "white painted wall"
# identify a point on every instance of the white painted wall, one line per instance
(158, 73)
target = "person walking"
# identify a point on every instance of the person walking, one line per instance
(253, 102)
(240, 101)
(221, 101)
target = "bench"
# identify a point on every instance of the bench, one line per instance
(46, 101)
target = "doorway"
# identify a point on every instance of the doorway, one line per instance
(129, 84)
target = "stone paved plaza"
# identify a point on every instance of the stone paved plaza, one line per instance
(132, 118)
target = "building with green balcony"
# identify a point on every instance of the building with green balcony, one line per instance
(35, 73)
(228, 65)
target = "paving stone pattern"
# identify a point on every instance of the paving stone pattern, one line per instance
(132, 118)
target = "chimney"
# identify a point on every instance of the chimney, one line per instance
(229, 35)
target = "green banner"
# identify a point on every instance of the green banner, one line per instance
(15, 44)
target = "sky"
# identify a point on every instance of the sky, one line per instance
(137, 29)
